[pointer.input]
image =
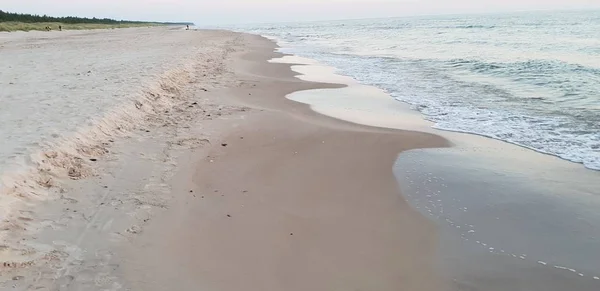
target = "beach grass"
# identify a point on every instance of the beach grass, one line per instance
(23, 26)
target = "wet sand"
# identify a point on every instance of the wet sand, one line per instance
(508, 224)
(510, 218)
(290, 199)
(227, 186)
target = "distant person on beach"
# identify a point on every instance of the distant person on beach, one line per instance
(187, 27)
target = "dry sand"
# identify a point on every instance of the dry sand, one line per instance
(105, 172)
(237, 188)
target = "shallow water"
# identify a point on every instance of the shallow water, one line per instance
(531, 79)
(507, 226)
(510, 218)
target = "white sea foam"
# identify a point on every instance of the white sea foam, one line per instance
(521, 87)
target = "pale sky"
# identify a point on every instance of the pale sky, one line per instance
(206, 12)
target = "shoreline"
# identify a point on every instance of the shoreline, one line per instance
(468, 190)
(280, 189)
(583, 149)
(390, 113)
(234, 182)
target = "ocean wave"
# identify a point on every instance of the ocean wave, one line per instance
(485, 108)
(524, 86)
(522, 67)
(472, 26)
(546, 135)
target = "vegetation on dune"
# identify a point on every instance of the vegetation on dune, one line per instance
(30, 18)
(22, 26)
(26, 22)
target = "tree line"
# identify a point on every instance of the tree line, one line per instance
(31, 18)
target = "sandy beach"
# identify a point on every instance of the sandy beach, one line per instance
(206, 177)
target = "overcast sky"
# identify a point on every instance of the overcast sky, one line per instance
(246, 11)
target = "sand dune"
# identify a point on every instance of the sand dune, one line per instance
(68, 98)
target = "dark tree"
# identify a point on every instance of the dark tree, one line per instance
(30, 18)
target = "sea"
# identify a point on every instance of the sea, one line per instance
(527, 78)
(516, 216)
